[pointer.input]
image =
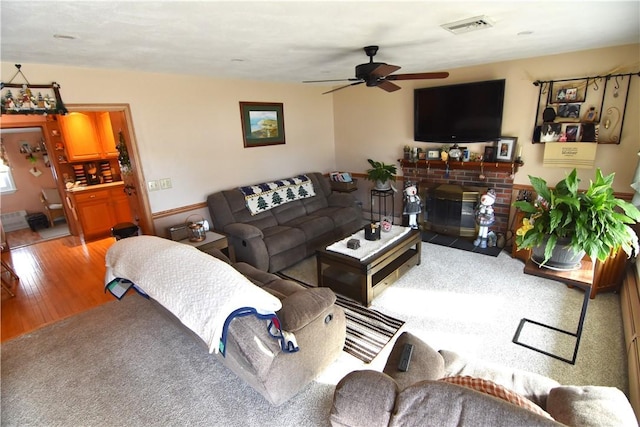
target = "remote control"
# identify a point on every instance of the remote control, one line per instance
(405, 358)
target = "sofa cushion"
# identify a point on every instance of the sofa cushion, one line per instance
(437, 403)
(288, 211)
(426, 363)
(496, 390)
(586, 406)
(279, 239)
(533, 386)
(313, 204)
(339, 215)
(312, 226)
(363, 398)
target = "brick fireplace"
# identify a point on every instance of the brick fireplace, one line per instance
(464, 178)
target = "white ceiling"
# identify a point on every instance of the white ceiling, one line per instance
(295, 41)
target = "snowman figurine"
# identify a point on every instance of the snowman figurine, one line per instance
(484, 217)
(411, 204)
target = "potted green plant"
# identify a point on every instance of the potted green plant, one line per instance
(381, 173)
(564, 221)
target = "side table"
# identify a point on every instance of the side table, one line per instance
(582, 278)
(213, 240)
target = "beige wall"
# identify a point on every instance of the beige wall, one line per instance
(371, 123)
(188, 127)
(29, 186)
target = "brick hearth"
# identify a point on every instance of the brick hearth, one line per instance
(501, 181)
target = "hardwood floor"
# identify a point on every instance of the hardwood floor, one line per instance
(58, 279)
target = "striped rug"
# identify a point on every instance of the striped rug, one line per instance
(368, 331)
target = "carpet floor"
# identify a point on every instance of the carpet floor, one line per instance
(126, 363)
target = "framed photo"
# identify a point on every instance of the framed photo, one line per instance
(422, 155)
(489, 153)
(572, 133)
(262, 123)
(564, 92)
(433, 154)
(551, 132)
(506, 149)
(568, 112)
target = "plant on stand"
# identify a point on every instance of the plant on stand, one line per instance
(381, 173)
(566, 222)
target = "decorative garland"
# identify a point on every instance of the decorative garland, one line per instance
(123, 156)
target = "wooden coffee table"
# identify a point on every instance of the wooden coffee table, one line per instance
(363, 280)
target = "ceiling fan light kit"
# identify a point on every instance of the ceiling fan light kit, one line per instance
(379, 74)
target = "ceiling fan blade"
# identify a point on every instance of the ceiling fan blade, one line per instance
(419, 76)
(342, 87)
(384, 70)
(388, 86)
(336, 80)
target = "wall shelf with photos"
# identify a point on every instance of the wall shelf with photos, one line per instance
(585, 109)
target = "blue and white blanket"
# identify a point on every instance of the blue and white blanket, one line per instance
(268, 195)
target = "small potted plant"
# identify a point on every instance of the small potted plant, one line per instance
(380, 173)
(563, 223)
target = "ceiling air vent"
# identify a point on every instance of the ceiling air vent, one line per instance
(469, 24)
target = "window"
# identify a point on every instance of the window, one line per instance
(7, 185)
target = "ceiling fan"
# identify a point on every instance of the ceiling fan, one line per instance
(379, 74)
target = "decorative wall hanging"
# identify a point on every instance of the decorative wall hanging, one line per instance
(262, 123)
(584, 109)
(27, 98)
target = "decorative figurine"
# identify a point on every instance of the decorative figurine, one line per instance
(411, 204)
(485, 217)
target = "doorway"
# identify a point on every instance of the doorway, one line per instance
(123, 128)
(29, 177)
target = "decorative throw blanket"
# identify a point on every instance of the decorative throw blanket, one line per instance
(268, 195)
(200, 290)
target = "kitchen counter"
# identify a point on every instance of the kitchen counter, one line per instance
(94, 187)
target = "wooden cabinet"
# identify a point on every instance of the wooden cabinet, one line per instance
(607, 275)
(99, 210)
(88, 136)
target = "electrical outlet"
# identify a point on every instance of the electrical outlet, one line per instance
(165, 183)
(153, 185)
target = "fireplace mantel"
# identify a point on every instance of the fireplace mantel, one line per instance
(510, 167)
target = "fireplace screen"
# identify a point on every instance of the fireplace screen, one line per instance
(450, 210)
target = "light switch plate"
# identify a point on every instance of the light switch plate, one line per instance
(165, 183)
(153, 185)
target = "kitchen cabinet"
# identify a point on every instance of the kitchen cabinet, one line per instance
(88, 136)
(100, 209)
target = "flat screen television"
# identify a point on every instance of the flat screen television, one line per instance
(469, 112)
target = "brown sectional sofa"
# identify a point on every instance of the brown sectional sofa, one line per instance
(430, 393)
(280, 237)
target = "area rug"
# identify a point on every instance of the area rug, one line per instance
(462, 243)
(368, 331)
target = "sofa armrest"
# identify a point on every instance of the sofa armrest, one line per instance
(243, 231)
(248, 244)
(303, 307)
(363, 398)
(344, 200)
(587, 406)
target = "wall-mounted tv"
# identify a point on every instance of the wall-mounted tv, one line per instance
(469, 112)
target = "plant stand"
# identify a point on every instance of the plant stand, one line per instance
(382, 195)
(582, 278)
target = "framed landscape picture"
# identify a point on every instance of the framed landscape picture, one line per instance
(262, 123)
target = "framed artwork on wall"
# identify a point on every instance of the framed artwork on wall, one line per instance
(262, 123)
